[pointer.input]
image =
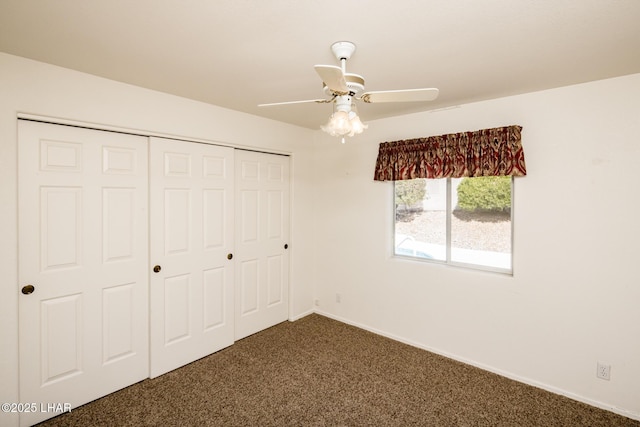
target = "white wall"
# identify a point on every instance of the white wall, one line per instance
(574, 297)
(40, 89)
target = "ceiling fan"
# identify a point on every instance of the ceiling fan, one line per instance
(343, 89)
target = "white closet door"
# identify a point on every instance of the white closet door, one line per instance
(191, 239)
(83, 264)
(262, 240)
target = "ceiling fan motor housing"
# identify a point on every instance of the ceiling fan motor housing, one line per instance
(343, 103)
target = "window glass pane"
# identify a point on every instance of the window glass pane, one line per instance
(481, 221)
(421, 218)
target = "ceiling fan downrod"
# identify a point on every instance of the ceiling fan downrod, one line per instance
(343, 52)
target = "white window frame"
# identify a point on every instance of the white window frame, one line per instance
(448, 261)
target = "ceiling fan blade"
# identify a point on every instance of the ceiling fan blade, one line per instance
(407, 95)
(319, 101)
(333, 77)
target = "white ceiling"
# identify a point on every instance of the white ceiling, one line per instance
(240, 53)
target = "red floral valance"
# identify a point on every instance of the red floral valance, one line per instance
(486, 152)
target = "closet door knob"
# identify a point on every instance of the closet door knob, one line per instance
(157, 269)
(229, 256)
(28, 289)
(286, 246)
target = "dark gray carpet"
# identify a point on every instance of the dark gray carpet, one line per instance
(320, 372)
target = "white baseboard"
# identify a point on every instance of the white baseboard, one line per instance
(301, 315)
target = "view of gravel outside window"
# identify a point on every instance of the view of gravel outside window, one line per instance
(478, 236)
(480, 231)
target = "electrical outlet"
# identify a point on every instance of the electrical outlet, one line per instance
(317, 302)
(338, 298)
(604, 371)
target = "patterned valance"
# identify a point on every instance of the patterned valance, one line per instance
(486, 152)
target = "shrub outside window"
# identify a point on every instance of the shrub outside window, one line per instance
(459, 221)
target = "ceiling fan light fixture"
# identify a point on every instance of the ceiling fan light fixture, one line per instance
(344, 122)
(357, 127)
(338, 124)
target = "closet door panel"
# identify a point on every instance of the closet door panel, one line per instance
(83, 257)
(262, 267)
(192, 232)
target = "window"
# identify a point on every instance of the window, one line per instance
(458, 221)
